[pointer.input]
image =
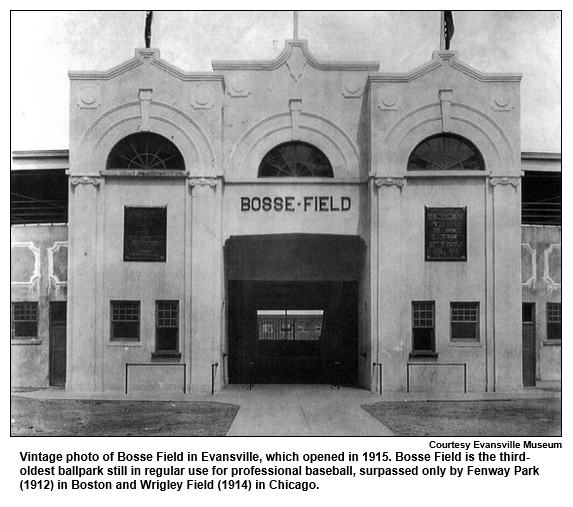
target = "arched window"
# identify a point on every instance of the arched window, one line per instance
(445, 152)
(145, 151)
(295, 159)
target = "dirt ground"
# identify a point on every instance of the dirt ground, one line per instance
(32, 417)
(51, 417)
(516, 417)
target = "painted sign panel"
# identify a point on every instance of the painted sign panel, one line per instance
(145, 234)
(446, 235)
(277, 208)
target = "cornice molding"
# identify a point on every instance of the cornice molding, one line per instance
(226, 65)
(540, 155)
(486, 78)
(186, 76)
(395, 77)
(142, 56)
(104, 75)
(439, 59)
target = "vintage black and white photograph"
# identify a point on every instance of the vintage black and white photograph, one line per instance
(286, 223)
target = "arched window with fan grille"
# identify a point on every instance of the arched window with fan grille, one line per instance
(445, 152)
(295, 159)
(145, 151)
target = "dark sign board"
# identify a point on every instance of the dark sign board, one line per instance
(446, 237)
(145, 234)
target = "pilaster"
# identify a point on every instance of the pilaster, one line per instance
(206, 282)
(506, 339)
(82, 284)
(390, 334)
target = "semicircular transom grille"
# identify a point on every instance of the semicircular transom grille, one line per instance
(445, 153)
(145, 151)
(295, 159)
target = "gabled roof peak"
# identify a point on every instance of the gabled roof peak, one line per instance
(144, 56)
(439, 59)
(294, 49)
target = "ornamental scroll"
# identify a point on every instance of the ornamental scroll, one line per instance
(446, 234)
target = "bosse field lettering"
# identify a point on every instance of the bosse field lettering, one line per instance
(289, 203)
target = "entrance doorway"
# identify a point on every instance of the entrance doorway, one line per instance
(293, 332)
(528, 343)
(293, 309)
(57, 343)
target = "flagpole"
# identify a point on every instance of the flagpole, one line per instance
(295, 25)
(442, 32)
(148, 21)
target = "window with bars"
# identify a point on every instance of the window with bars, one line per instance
(554, 321)
(423, 327)
(464, 321)
(125, 320)
(24, 320)
(167, 326)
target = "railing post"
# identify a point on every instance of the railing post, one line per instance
(336, 374)
(225, 367)
(213, 371)
(184, 378)
(378, 366)
(251, 380)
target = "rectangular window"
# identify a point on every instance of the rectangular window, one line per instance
(290, 325)
(464, 320)
(528, 313)
(554, 321)
(125, 320)
(166, 326)
(423, 325)
(24, 320)
(145, 234)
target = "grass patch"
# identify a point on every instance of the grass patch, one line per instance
(517, 417)
(33, 417)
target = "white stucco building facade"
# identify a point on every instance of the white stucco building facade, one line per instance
(353, 242)
(292, 221)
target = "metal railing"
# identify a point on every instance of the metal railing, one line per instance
(127, 365)
(464, 365)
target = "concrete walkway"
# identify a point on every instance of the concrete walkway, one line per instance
(309, 410)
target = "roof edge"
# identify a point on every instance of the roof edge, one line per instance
(290, 44)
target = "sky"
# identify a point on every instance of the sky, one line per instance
(46, 45)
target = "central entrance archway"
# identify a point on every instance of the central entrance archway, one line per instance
(293, 308)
